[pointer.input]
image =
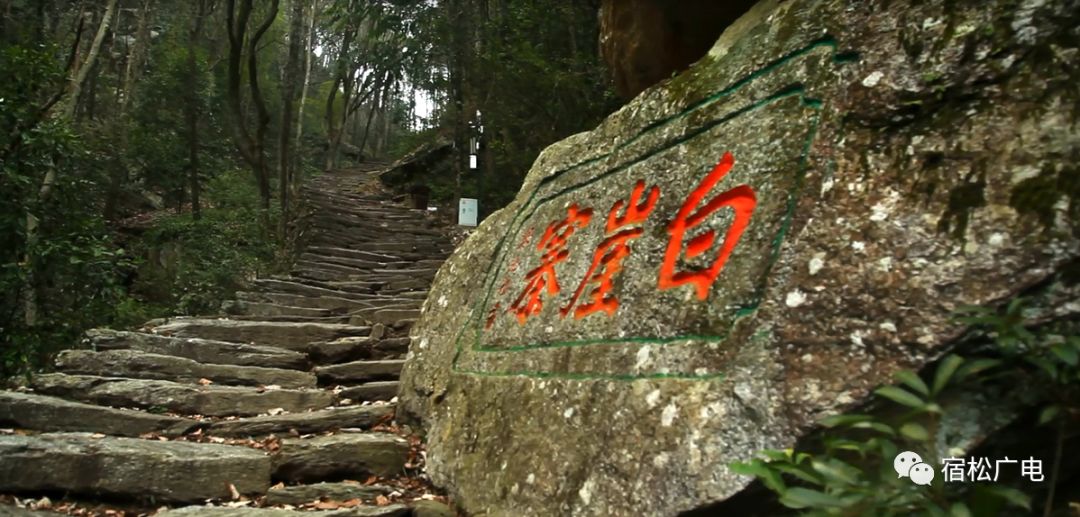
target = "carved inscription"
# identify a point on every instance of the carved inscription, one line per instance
(625, 223)
(650, 256)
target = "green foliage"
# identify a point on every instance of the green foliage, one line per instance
(71, 265)
(848, 469)
(126, 148)
(191, 266)
(531, 70)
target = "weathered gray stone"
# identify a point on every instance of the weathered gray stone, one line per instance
(141, 365)
(377, 331)
(348, 455)
(201, 350)
(15, 511)
(352, 349)
(321, 302)
(393, 315)
(432, 509)
(282, 334)
(303, 494)
(393, 510)
(380, 390)
(328, 419)
(303, 289)
(180, 398)
(129, 467)
(42, 413)
(833, 181)
(239, 307)
(360, 371)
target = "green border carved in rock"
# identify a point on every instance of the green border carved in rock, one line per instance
(475, 319)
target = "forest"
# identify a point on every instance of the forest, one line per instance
(151, 150)
(754, 257)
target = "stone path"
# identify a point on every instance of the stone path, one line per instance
(272, 403)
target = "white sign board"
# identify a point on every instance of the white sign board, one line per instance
(468, 209)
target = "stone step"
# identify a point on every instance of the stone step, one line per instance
(328, 265)
(428, 273)
(178, 398)
(392, 510)
(291, 319)
(360, 371)
(172, 471)
(339, 456)
(371, 286)
(370, 391)
(44, 413)
(399, 252)
(328, 419)
(399, 232)
(366, 255)
(281, 334)
(302, 494)
(321, 302)
(304, 289)
(271, 309)
(361, 287)
(314, 272)
(417, 249)
(354, 349)
(356, 263)
(331, 251)
(389, 315)
(414, 295)
(407, 284)
(141, 365)
(201, 350)
(403, 325)
(405, 228)
(7, 510)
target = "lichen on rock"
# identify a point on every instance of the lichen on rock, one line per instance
(748, 247)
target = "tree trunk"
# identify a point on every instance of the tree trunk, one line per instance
(288, 93)
(119, 173)
(304, 91)
(343, 78)
(84, 70)
(459, 48)
(30, 302)
(371, 116)
(252, 147)
(191, 109)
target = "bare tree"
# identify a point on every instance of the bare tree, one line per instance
(192, 110)
(132, 70)
(67, 104)
(288, 94)
(83, 72)
(252, 146)
(307, 74)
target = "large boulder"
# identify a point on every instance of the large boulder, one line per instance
(748, 247)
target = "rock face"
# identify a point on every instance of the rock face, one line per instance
(748, 247)
(644, 41)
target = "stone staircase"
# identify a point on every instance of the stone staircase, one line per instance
(272, 405)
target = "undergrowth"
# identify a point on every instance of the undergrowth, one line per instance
(848, 469)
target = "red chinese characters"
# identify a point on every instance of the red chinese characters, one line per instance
(542, 279)
(685, 260)
(608, 258)
(741, 199)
